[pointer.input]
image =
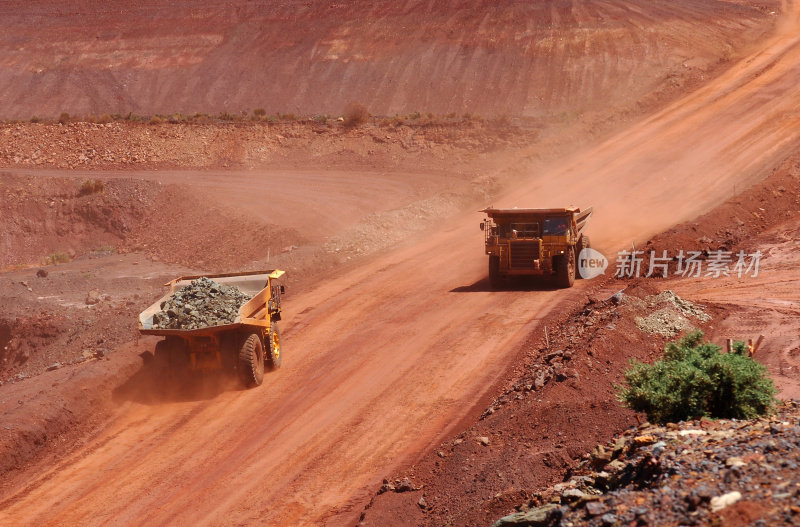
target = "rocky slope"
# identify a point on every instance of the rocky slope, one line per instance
(706, 472)
(519, 58)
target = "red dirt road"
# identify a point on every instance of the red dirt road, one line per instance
(384, 360)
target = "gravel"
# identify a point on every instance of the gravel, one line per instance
(202, 303)
(690, 473)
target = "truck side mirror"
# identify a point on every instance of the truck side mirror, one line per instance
(483, 225)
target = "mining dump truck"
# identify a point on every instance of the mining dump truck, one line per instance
(249, 342)
(534, 242)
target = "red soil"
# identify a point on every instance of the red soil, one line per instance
(536, 437)
(388, 355)
(395, 57)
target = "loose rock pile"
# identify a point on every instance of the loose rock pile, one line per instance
(694, 473)
(200, 304)
(670, 314)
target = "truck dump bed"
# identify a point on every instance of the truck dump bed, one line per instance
(255, 312)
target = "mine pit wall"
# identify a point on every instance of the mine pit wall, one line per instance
(503, 59)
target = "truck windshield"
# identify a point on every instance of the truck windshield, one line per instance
(524, 230)
(555, 226)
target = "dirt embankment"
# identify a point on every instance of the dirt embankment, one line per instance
(522, 58)
(383, 143)
(704, 472)
(526, 439)
(58, 219)
(72, 312)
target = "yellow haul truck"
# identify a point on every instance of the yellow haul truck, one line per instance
(535, 242)
(248, 344)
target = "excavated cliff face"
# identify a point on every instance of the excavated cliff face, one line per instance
(490, 58)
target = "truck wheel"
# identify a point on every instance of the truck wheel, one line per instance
(161, 356)
(583, 243)
(251, 361)
(274, 344)
(566, 269)
(494, 271)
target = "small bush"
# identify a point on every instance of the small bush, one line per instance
(63, 118)
(259, 112)
(355, 114)
(35, 119)
(57, 258)
(105, 118)
(502, 121)
(92, 186)
(695, 380)
(155, 119)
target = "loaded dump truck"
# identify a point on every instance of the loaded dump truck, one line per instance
(534, 242)
(244, 337)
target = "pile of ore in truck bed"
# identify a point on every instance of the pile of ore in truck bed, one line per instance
(200, 304)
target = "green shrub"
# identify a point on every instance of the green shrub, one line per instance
(225, 116)
(57, 258)
(695, 380)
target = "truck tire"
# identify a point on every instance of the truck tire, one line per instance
(274, 356)
(170, 359)
(251, 361)
(565, 276)
(161, 356)
(494, 272)
(583, 243)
